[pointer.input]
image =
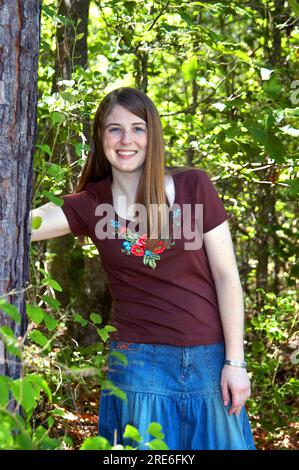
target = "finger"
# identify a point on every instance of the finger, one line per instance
(235, 403)
(225, 393)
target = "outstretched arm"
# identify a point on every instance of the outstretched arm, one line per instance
(220, 252)
(54, 223)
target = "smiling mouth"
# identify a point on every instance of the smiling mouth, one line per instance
(126, 154)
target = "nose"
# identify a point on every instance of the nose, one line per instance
(125, 136)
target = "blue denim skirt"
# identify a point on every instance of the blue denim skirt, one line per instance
(177, 387)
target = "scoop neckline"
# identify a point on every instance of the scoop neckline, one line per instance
(129, 220)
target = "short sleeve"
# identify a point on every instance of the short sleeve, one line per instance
(214, 212)
(76, 208)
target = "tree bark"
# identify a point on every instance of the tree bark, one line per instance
(69, 51)
(19, 52)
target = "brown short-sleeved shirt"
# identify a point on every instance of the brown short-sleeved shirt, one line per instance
(166, 295)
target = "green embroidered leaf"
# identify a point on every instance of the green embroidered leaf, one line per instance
(152, 263)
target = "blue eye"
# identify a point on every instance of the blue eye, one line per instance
(112, 129)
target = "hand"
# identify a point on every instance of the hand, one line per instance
(235, 384)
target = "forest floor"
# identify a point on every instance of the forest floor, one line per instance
(83, 423)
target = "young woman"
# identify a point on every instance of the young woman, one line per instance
(178, 302)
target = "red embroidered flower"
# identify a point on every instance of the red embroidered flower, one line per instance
(159, 247)
(137, 250)
(142, 240)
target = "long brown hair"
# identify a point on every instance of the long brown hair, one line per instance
(151, 188)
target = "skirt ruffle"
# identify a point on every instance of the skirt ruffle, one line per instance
(188, 424)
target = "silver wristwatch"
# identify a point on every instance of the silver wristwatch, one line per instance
(236, 363)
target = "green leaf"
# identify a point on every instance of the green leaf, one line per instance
(36, 222)
(95, 318)
(39, 383)
(258, 133)
(275, 148)
(95, 443)
(189, 68)
(54, 170)
(10, 310)
(67, 96)
(157, 444)
(79, 36)
(58, 412)
(57, 117)
(110, 328)
(119, 356)
(269, 121)
(50, 421)
(36, 314)
(103, 334)
(11, 343)
(155, 429)
(132, 433)
(50, 322)
(272, 87)
(257, 346)
(51, 282)
(24, 393)
(45, 148)
(8, 332)
(4, 391)
(295, 6)
(81, 148)
(108, 385)
(79, 319)
(54, 303)
(51, 196)
(38, 338)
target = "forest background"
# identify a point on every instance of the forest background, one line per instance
(224, 78)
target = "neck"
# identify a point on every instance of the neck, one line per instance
(126, 183)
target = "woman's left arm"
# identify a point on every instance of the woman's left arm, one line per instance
(219, 248)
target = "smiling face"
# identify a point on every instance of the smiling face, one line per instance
(124, 139)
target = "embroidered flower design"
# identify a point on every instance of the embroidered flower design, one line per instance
(135, 244)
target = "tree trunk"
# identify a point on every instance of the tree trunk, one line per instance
(19, 51)
(69, 51)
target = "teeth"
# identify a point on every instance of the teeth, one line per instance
(126, 153)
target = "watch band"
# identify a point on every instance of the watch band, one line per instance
(236, 363)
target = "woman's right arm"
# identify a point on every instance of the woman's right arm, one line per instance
(54, 222)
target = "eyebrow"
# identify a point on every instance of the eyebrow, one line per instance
(117, 124)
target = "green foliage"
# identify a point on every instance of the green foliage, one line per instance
(273, 337)
(25, 431)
